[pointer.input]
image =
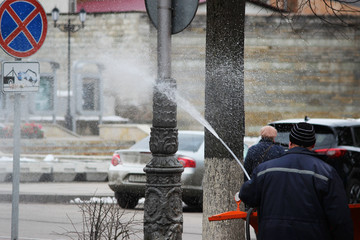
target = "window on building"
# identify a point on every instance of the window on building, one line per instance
(90, 94)
(44, 100)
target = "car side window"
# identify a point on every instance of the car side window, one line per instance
(345, 136)
(357, 136)
(325, 137)
(190, 142)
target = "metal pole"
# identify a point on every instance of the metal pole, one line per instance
(164, 39)
(68, 117)
(16, 168)
(163, 217)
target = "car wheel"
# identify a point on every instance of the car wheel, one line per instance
(354, 191)
(126, 200)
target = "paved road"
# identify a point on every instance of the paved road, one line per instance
(47, 221)
(56, 192)
(45, 210)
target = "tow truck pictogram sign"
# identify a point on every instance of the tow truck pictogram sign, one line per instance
(20, 76)
(23, 27)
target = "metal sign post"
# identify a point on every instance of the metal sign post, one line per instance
(16, 168)
(23, 28)
(18, 77)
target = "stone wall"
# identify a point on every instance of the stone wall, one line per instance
(124, 132)
(292, 68)
(297, 68)
(303, 67)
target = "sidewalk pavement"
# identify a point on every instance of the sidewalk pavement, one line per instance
(53, 192)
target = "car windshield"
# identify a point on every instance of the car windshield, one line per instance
(325, 137)
(187, 142)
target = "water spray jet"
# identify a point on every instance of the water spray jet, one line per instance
(175, 97)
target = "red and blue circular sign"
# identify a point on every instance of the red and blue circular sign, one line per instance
(23, 27)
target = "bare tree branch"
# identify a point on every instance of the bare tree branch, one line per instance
(103, 220)
(331, 12)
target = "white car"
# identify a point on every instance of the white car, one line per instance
(127, 177)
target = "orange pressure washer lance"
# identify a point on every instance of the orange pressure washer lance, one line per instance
(251, 217)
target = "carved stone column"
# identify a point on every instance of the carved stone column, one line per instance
(163, 203)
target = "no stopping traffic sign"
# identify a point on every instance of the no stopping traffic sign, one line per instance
(23, 27)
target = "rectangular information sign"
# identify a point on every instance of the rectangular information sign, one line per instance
(20, 76)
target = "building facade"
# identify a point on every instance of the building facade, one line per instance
(292, 69)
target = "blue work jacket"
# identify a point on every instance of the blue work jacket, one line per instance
(298, 196)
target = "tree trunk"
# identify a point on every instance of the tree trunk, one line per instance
(224, 110)
(221, 182)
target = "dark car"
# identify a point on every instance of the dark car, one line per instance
(338, 140)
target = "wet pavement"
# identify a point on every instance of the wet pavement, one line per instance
(61, 193)
(45, 206)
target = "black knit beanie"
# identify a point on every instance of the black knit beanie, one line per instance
(303, 134)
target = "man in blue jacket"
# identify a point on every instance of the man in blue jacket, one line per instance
(298, 196)
(263, 151)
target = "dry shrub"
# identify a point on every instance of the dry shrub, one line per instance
(104, 220)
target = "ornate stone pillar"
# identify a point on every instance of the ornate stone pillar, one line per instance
(163, 203)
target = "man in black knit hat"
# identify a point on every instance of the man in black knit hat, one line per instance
(298, 196)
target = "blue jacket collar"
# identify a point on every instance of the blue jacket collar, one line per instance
(301, 150)
(267, 140)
